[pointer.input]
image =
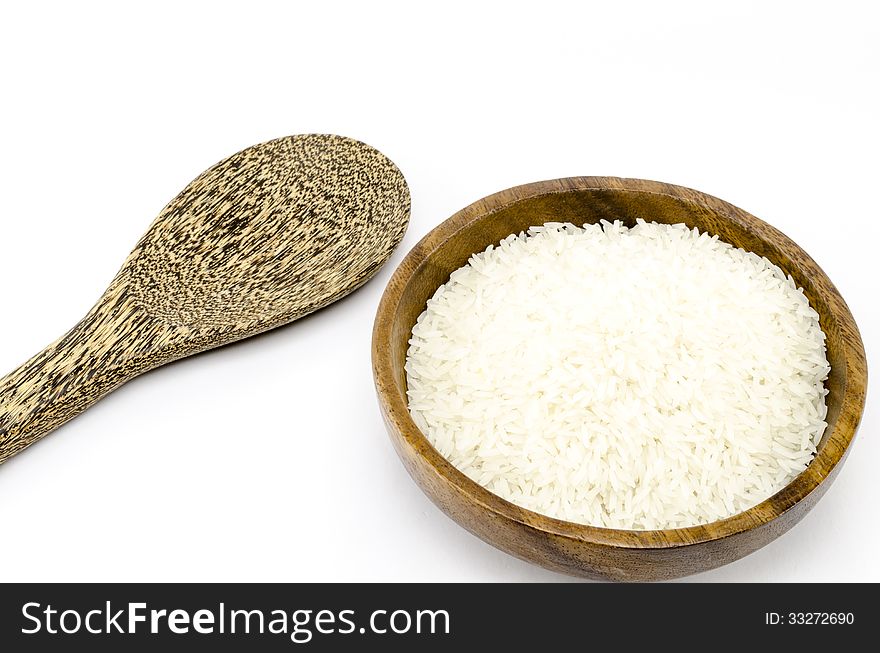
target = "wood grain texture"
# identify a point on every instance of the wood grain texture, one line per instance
(585, 550)
(264, 237)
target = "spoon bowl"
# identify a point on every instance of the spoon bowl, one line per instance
(264, 237)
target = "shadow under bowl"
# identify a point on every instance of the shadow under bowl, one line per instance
(578, 549)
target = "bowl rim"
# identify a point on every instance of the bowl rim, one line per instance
(396, 412)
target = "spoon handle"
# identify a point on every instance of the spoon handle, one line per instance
(108, 347)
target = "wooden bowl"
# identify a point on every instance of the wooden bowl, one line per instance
(586, 550)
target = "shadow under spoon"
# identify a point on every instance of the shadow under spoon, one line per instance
(263, 238)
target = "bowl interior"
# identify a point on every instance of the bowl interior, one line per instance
(475, 228)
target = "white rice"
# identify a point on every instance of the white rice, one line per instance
(642, 378)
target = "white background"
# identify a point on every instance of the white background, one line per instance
(267, 460)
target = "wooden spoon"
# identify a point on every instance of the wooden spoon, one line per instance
(264, 237)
